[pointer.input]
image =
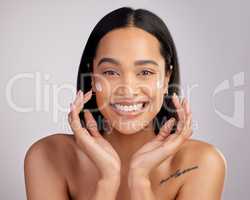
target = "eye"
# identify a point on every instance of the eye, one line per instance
(109, 72)
(147, 72)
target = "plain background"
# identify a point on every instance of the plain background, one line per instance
(41, 45)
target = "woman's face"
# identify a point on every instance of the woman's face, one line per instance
(129, 78)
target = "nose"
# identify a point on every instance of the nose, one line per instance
(127, 86)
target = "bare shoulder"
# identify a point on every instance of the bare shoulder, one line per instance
(203, 164)
(55, 139)
(56, 148)
(50, 145)
(46, 166)
(200, 152)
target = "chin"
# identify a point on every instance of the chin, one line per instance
(127, 130)
(130, 126)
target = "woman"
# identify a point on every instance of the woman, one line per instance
(143, 149)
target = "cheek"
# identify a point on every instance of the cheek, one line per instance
(157, 96)
(156, 103)
(102, 95)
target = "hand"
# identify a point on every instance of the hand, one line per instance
(164, 144)
(91, 141)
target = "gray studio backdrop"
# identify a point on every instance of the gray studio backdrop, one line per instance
(40, 49)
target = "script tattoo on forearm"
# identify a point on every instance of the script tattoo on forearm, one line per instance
(178, 173)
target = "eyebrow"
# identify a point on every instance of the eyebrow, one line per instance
(137, 62)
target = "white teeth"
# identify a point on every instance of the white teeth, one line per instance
(129, 108)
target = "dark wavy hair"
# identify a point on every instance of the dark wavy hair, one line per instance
(149, 22)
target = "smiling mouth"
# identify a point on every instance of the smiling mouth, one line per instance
(129, 109)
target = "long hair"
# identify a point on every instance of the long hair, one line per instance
(149, 22)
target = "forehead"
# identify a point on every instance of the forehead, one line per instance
(129, 43)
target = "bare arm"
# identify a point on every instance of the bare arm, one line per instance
(42, 178)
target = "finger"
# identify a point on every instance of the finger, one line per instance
(82, 135)
(187, 130)
(76, 107)
(78, 99)
(74, 120)
(166, 129)
(177, 139)
(164, 133)
(162, 151)
(69, 117)
(173, 142)
(91, 124)
(82, 99)
(186, 106)
(182, 101)
(87, 96)
(180, 112)
(178, 105)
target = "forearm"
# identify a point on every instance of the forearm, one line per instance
(107, 189)
(140, 189)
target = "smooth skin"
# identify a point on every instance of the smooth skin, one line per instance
(124, 165)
